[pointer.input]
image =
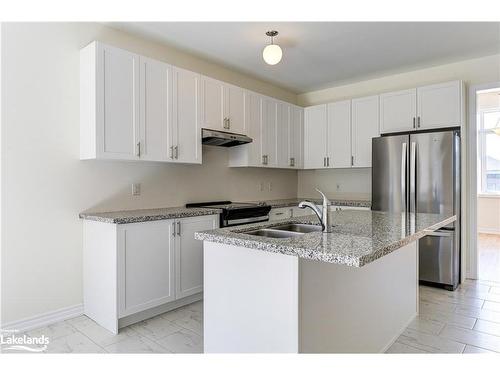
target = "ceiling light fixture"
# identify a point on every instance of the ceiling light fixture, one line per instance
(272, 53)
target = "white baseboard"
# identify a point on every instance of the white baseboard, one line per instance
(488, 230)
(44, 319)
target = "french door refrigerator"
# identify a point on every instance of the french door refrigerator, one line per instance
(420, 172)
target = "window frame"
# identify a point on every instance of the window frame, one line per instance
(481, 144)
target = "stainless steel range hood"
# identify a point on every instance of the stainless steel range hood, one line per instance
(223, 139)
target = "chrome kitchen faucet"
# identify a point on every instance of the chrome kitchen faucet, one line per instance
(324, 215)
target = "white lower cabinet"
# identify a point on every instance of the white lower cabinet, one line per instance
(145, 265)
(135, 271)
(189, 255)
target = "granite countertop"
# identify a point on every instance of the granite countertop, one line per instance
(137, 216)
(142, 215)
(278, 203)
(358, 237)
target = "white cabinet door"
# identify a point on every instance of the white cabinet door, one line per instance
(117, 103)
(145, 266)
(235, 109)
(268, 132)
(280, 213)
(249, 155)
(253, 121)
(295, 147)
(156, 105)
(315, 136)
(212, 107)
(398, 111)
(189, 254)
(282, 132)
(339, 134)
(186, 131)
(440, 105)
(365, 126)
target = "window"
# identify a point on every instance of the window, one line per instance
(489, 150)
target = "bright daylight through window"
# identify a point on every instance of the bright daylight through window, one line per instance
(489, 150)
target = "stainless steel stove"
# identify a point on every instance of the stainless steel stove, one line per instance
(237, 213)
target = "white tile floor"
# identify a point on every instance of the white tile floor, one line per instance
(464, 321)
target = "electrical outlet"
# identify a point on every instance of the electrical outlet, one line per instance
(136, 189)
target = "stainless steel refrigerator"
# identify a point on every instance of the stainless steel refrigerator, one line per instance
(420, 172)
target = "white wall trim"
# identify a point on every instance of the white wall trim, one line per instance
(486, 230)
(45, 319)
(471, 188)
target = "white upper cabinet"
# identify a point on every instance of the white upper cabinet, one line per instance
(186, 132)
(296, 131)
(398, 111)
(156, 84)
(109, 103)
(212, 107)
(282, 132)
(234, 109)
(136, 108)
(365, 126)
(223, 106)
(339, 134)
(426, 107)
(315, 136)
(268, 132)
(440, 105)
(249, 155)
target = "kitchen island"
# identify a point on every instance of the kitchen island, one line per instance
(352, 290)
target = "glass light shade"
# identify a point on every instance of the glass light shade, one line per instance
(272, 54)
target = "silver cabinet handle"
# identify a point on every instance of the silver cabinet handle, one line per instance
(176, 152)
(173, 229)
(178, 228)
(324, 161)
(352, 161)
(292, 162)
(264, 159)
(414, 126)
(139, 148)
(229, 123)
(418, 122)
(403, 176)
(327, 161)
(171, 152)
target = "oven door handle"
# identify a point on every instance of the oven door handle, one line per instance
(247, 220)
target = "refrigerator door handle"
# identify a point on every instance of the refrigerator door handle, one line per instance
(403, 176)
(413, 176)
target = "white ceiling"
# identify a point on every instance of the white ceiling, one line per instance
(322, 54)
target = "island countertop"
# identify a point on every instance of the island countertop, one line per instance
(358, 237)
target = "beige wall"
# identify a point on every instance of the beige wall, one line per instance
(488, 214)
(44, 183)
(474, 71)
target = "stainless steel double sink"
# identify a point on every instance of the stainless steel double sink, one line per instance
(285, 230)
